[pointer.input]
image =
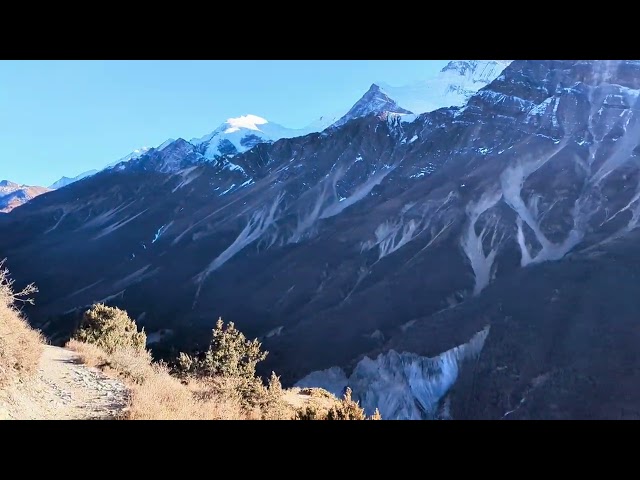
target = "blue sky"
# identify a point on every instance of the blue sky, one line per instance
(65, 117)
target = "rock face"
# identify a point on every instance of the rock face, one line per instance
(13, 195)
(518, 211)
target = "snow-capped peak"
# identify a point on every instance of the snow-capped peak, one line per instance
(452, 86)
(249, 122)
(242, 133)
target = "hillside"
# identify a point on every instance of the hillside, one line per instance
(106, 373)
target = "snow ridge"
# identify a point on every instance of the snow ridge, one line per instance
(452, 87)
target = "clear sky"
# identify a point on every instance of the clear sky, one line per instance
(65, 117)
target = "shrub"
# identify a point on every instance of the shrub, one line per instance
(311, 412)
(230, 354)
(274, 406)
(229, 368)
(376, 415)
(345, 409)
(110, 329)
(20, 345)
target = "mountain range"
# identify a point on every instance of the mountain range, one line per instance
(13, 195)
(451, 87)
(473, 261)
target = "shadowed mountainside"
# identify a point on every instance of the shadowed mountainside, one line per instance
(405, 233)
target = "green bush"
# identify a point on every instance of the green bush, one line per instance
(231, 359)
(230, 354)
(110, 329)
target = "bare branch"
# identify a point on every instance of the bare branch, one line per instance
(6, 288)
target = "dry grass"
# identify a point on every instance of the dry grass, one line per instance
(317, 392)
(20, 345)
(155, 394)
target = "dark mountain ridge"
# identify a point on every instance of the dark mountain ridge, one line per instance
(381, 235)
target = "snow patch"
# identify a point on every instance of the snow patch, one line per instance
(160, 231)
(427, 170)
(227, 190)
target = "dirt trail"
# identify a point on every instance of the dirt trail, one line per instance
(64, 389)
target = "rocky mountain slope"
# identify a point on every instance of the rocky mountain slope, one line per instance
(13, 195)
(478, 256)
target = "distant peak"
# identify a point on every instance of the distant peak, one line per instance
(464, 67)
(173, 145)
(375, 91)
(374, 101)
(249, 122)
(7, 183)
(165, 144)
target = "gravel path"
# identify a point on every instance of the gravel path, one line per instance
(64, 389)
